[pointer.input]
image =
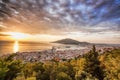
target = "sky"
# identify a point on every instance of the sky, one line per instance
(96, 21)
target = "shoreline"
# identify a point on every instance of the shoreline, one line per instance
(49, 54)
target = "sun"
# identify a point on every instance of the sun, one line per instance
(17, 35)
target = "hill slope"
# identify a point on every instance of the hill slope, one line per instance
(70, 41)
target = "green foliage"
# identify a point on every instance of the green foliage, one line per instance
(63, 76)
(28, 70)
(90, 66)
(9, 68)
(111, 63)
(3, 69)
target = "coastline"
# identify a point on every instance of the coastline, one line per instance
(49, 54)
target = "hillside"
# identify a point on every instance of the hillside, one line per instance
(70, 41)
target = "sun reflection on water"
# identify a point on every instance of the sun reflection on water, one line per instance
(16, 46)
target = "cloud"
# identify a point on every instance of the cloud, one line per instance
(4, 35)
(51, 16)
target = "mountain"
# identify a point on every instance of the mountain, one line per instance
(71, 41)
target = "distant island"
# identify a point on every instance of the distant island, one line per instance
(71, 41)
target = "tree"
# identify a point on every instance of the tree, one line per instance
(28, 70)
(39, 69)
(3, 69)
(9, 68)
(92, 65)
(111, 62)
(63, 76)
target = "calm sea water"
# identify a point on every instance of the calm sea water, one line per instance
(11, 47)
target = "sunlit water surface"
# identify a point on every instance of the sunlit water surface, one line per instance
(13, 47)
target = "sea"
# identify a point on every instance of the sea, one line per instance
(7, 47)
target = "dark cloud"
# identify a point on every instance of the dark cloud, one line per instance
(4, 35)
(46, 16)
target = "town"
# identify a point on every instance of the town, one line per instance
(58, 53)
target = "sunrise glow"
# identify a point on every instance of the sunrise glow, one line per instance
(17, 35)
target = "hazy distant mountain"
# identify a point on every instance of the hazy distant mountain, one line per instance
(71, 41)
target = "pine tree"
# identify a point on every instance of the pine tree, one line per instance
(92, 65)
